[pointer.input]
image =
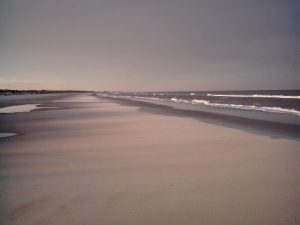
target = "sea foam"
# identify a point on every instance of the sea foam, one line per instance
(208, 103)
(254, 96)
(248, 107)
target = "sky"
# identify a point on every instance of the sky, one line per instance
(150, 45)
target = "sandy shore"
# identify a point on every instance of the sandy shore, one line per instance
(90, 161)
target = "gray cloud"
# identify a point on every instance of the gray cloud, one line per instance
(152, 45)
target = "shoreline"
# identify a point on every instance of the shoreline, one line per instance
(9, 100)
(9, 92)
(270, 129)
(266, 128)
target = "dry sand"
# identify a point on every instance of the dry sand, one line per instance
(94, 162)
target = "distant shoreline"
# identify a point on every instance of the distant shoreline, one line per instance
(6, 92)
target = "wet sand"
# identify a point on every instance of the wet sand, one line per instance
(92, 161)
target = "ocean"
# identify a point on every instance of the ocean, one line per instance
(267, 105)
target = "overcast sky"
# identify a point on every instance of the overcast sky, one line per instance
(150, 44)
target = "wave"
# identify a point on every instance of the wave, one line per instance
(248, 107)
(179, 100)
(208, 103)
(146, 98)
(254, 96)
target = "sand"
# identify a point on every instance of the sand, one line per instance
(92, 161)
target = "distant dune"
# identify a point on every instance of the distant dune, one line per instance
(22, 92)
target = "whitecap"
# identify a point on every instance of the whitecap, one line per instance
(248, 107)
(254, 96)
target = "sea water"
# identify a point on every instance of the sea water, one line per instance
(274, 105)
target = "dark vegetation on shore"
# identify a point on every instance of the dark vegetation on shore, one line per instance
(22, 92)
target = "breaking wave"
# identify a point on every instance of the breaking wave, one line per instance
(209, 103)
(254, 96)
(179, 100)
(248, 107)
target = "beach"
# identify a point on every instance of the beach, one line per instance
(87, 160)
